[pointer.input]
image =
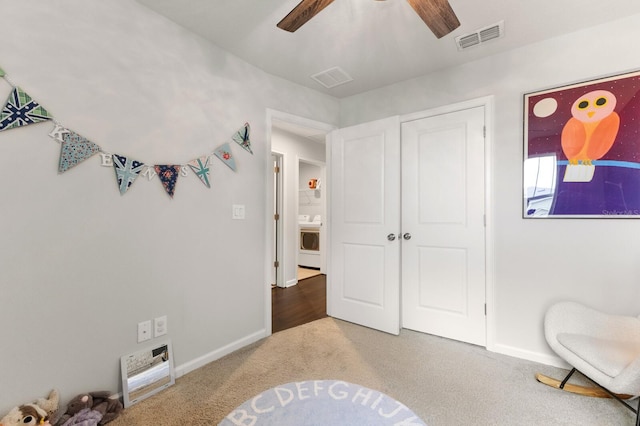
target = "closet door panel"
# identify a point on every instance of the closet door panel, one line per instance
(443, 262)
(364, 277)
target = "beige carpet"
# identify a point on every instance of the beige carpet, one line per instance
(442, 381)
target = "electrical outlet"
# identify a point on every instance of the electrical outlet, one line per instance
(160, 326)
(237, 211)
(144, 331)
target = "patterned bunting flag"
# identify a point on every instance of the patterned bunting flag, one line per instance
(200, 167)
(74, 150)
(242, 137)
(168, 176)
(127, 170)
(21, 110)
(223, 152)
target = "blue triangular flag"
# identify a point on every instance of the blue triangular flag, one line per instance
(127, 170)
(168, 177)
(21, 110)
(223, 152)
(241, 137)
(200, 167)
(74, 150)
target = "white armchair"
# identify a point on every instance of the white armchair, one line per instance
(604, 348)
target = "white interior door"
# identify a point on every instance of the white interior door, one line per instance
(364, 279)
(443, 262)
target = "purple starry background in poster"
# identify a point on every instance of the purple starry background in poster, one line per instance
(615, 187)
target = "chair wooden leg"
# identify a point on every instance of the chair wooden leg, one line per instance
(592, 391)
(599, 391)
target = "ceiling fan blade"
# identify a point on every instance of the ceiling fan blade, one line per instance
(302, 13)
(437, 14)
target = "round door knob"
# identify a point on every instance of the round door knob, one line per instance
(391, 237)
(406, 236)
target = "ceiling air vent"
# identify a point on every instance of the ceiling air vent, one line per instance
(332, 77)
(480, 36)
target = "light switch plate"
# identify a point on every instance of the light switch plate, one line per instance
(160, 326)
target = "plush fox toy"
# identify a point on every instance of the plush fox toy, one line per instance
(37, 414)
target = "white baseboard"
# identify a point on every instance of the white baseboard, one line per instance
(192, 365)
(291, 283)
(541, 358)
(189, 366)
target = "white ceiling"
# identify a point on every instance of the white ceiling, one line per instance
(376, 42)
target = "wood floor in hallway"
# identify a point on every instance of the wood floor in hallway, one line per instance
(299, 304)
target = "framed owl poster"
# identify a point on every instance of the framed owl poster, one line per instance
(582, 150)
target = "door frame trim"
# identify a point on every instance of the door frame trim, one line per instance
(488, 103)
(278, 199)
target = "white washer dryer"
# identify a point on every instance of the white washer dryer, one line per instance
(309, 241)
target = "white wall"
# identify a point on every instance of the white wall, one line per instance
(81, 265)
(310, 201)
(537, 262)
(293, 148)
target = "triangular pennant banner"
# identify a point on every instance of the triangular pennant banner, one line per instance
(223, 152)
(21, 110)
(127, 170)
(242, 137)
(200, 167)
(168, 176)
(74, 150)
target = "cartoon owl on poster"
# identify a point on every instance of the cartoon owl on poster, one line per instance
(592, 130)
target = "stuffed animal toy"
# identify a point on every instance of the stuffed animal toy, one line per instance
(76, 405)
(38, 413)
(103, 402)
(107, 404)
(84, 417)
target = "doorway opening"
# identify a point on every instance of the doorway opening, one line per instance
(297, 256)
(299, 304)
(311, 252)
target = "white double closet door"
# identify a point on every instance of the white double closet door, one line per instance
(408, 225)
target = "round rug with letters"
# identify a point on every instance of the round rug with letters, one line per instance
(321, 403)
